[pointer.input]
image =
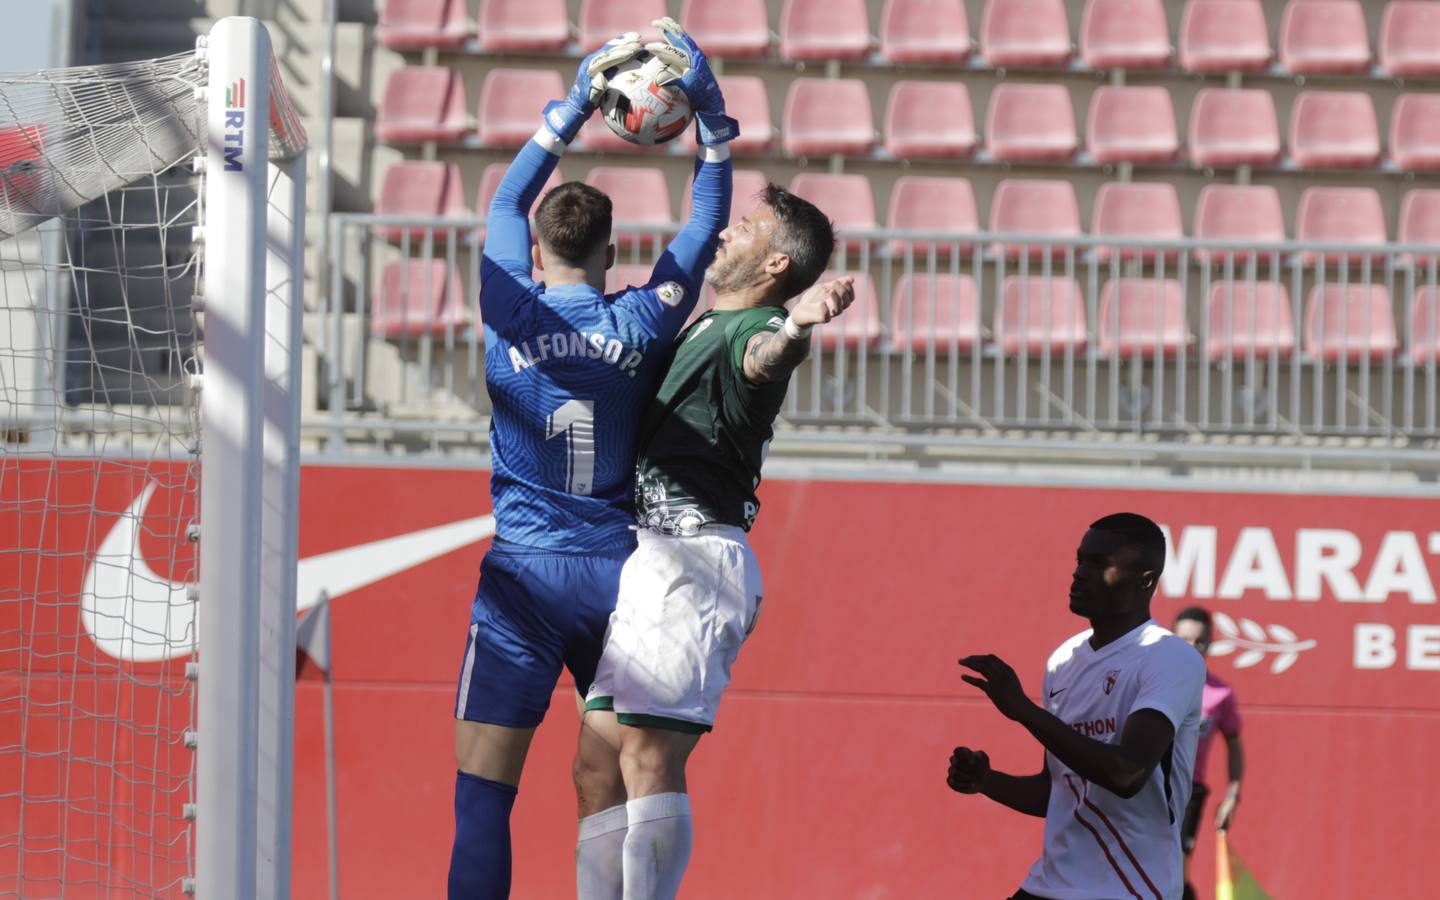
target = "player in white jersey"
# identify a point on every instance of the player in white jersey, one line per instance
(1119, 725)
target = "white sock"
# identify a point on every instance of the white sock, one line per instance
(657, 846)
(600, 855)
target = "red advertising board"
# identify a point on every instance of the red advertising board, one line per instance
(825, 774)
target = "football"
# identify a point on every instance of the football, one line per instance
(641, 111)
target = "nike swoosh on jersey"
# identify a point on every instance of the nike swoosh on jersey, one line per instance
(1053, 693)
(133, 614)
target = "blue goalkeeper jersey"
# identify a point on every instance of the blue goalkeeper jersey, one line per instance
(569, 370)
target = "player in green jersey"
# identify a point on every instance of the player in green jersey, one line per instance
(691, 591)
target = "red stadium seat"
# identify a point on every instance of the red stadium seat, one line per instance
(1038, 207)
(1352, 322)
(923, 203)
(1234, 128)
(859, 327)
(1425, 326)
(1141, 317)
(1040, 315)
(1318, 36)
(1148, 210)
(1125, 34)
(1247, 317)
(935, 311)
(422, 190)
(1030, 122)
(1224, 36)
(511, 101)
(828, 115)
(423, 104)
(1340, 215)
(1334, 129)
(1420, 220)
(735, 28)
(1131, 124)
(1415, 132)
(824, 29)
(640, 196)
(846, 199)
(745, 191)
(929, 119)
(1025, 33)
(533, 25)
(1247, 215)
(601, 20)
(490, 183)
(418, 297)
(417, 24)
(749, 103)
(924, 31)
(1410, 38)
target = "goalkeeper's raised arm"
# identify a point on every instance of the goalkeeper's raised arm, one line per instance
(693, 249)
(507, 261)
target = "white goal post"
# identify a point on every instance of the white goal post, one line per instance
(254, 237)
(150, 348)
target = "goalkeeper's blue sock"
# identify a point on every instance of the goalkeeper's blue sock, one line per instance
(480, 859)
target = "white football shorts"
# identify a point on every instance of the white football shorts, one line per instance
(686, 604)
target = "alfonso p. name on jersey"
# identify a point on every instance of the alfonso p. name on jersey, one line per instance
(575, 345)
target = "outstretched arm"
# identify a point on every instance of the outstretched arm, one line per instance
(1121, 768)
(773, 355)
(506, 261)
(691, 251)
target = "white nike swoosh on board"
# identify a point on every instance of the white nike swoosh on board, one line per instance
(133, 614)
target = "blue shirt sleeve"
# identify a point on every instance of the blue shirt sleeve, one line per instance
(686, 258)
(506, 288)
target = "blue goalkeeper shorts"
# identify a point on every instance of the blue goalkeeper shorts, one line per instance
(535, 610)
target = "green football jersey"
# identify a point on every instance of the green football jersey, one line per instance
(704, 437)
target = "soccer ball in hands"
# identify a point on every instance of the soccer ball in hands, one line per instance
(641, 111)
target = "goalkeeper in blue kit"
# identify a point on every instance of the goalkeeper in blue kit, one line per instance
(569, 371)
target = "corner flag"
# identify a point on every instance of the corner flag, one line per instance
(1232, 880)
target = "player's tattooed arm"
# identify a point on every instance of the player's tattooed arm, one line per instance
(774, 355)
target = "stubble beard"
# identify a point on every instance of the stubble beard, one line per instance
(728, 274)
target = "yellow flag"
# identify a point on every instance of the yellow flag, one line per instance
(1232, 880)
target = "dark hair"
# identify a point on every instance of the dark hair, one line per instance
(1138, 532)
(806, 235)
(1195, 614)
(573, 221)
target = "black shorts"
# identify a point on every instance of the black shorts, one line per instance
(1191, 823)
(1024, 895)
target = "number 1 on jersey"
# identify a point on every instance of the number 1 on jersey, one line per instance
(575, 420)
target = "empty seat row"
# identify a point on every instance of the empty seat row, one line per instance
(1246, 216)
(1136, 317)
(1316, 36)
(934, 119)
(1036, 122)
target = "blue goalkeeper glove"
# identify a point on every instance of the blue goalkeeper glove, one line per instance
(689, 68)
(564, 117)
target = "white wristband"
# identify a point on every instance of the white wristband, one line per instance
(549, 142)
(796, 332)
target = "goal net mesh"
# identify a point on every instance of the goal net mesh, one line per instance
(100, 263)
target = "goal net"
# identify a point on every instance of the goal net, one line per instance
(151, 228)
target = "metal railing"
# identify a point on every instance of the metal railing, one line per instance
(1011, 337)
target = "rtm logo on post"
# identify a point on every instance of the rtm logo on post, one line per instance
(235, 126)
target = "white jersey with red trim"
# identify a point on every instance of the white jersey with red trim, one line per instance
(1099, 846)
